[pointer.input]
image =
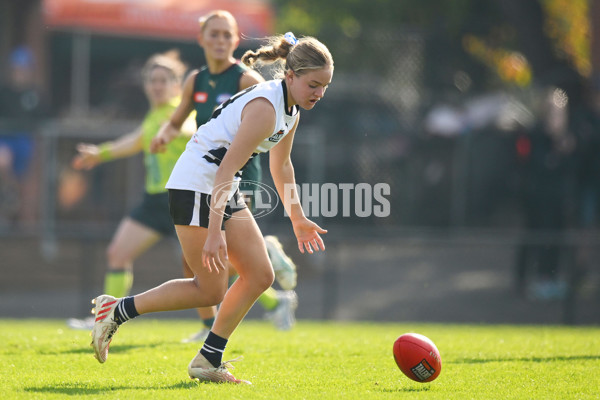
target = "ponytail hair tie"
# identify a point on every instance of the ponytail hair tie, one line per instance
(290, 38)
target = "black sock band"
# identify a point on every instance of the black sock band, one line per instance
(125, 310)
(213, 349)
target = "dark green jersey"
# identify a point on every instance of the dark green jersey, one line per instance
(210, 90)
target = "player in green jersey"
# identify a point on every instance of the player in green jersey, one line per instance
(203, 91)
(150, 220)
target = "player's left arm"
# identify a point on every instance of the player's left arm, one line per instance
(282, 171)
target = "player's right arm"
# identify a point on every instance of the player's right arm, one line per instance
(171, 129)
(90, 155)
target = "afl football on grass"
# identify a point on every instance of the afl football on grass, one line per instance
(417, 357)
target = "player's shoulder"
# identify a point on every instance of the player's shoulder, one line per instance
(194, 72)
(250, 77)
(191, 76)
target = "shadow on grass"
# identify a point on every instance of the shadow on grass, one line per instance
(524, 359)
(411, 389)
(83, 389)
(117, 348)
(74, 389)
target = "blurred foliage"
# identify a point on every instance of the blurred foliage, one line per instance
(568, 24)
(496, 42)
(350, 17)
(510, 66)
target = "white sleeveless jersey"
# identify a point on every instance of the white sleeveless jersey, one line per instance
(196, 168)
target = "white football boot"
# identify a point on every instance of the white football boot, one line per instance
(283, 266)
(105, 326)
(200, 368)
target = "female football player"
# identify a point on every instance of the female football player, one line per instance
(204, 201)
(203, 91)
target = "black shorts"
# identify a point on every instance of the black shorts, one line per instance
(193, 208)
(153, 212)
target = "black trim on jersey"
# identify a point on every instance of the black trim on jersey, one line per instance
(285, 101)
(215, 156)
(230, 100)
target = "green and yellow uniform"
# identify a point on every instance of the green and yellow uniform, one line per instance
(153, 212)
(160, 165)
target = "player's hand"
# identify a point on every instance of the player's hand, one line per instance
(165, 135)
(214, 253)
(88, 157)
(158, 144)
(307, 234)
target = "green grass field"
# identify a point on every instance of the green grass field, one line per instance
(316, 360)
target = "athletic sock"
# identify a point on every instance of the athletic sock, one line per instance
(117, 283)
(213, 349)
(125, 310)
(208, 322)
(269, 299)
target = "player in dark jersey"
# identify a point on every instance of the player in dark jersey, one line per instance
(203, 91)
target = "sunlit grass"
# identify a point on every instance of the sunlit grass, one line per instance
(316, 360)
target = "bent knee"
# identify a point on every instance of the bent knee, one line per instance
(265, 279)
(213, 294)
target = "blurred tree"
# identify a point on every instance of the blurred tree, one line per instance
(568, 24)
(526, 41)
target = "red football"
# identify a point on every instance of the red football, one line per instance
(417, 357)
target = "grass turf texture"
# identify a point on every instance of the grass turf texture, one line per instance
(316, 360)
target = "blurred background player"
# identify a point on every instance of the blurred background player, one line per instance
(150, 220)
(203, 91)
(22, 107)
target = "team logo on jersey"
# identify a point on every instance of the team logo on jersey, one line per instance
(277, 136)
(200, 97)
(223, 97)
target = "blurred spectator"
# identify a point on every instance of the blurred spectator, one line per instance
(587, 129)
(20, 96)
(546, 191)
(21, 108)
